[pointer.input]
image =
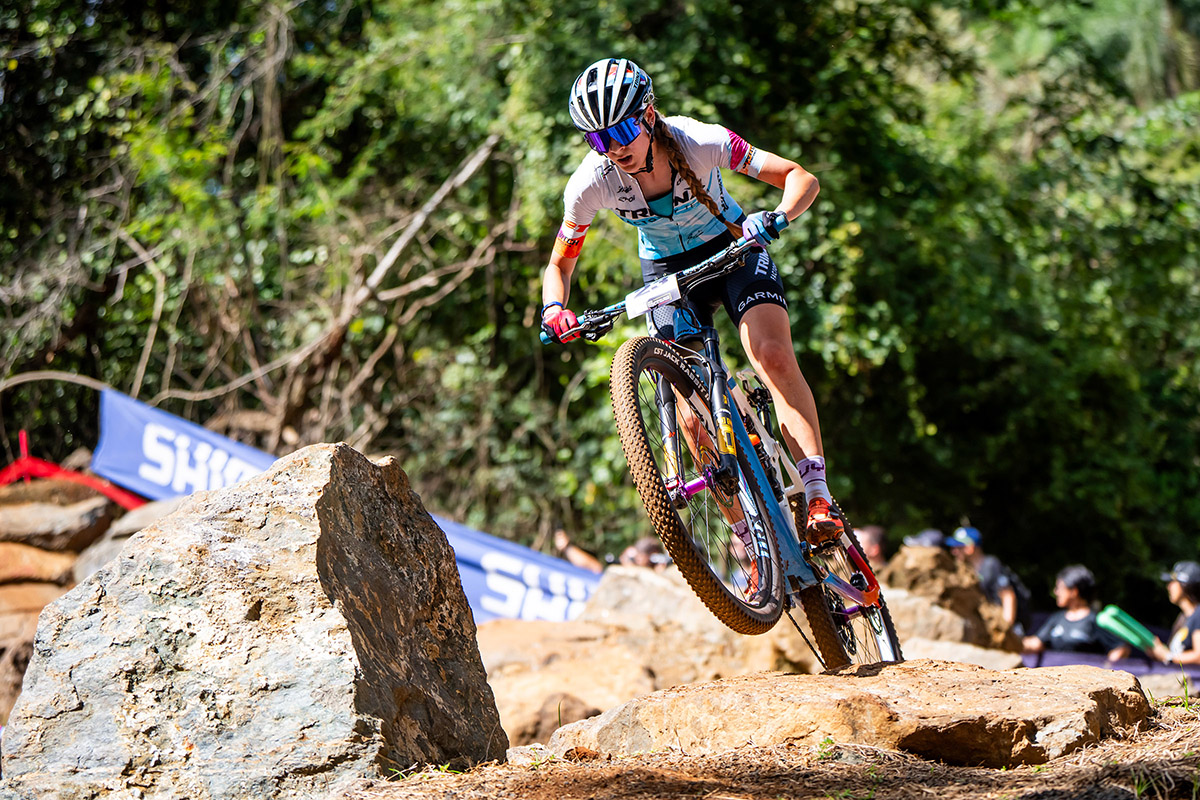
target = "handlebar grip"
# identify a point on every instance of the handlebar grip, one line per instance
(778, 222)
(545, 337)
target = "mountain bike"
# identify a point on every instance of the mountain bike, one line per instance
(721, 493)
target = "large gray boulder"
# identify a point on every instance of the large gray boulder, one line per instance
(956, 713)
(20, 604)
(110, 544)
(274, 639)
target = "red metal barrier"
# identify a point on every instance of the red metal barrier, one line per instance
(29, 467)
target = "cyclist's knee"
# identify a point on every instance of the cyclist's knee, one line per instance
(772, 356)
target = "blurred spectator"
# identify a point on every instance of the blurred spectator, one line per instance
(930, 537)
(1000, 584)
(645, 552)
(870, 538)
(1183, 589)
(573, 553)
(1074, 629)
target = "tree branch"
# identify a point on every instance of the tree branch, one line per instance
(298, 384)
(160, 292)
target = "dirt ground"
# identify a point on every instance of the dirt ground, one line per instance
(1161, 761)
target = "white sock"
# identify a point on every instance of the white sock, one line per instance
(812, 472)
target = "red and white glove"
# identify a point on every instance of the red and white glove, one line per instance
(557, 320)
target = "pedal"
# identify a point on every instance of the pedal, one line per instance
(817, 536)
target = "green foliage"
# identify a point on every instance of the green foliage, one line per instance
(993, 298)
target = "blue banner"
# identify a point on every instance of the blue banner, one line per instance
(504, 579)
(159, 455)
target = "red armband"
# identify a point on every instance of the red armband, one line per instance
(569, 241)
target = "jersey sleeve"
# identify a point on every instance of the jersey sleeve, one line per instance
(743, 156)
(580, 206)
(1043, 633)
(1191, 626)
(717, 146)
(1004, 579)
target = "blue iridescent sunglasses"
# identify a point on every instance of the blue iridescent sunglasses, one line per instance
(624, 132)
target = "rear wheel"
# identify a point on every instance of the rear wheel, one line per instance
(845, 635)
(720, 537)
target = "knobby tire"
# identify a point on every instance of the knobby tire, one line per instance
(847, 642)
(692, 549)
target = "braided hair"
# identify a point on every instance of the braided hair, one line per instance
(679, 163)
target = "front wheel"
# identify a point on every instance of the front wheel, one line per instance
(847, 634)
(717, 532)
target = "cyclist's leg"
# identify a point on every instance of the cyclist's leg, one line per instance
(754, 298)
(755, 302)
(767, 338)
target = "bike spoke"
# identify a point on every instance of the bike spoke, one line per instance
(708, 523)
(860, 627)
(701, 512)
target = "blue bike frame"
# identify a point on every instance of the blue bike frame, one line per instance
(793, 550)
(795, 566)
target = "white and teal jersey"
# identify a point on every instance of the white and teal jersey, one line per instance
(598, 183)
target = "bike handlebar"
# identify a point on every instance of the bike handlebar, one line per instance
(594, 323)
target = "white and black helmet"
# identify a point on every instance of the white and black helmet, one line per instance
(609, 91)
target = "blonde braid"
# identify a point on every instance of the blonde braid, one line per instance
(675, 157)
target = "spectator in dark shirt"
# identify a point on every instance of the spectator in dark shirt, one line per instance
(1000, 584)
(1074, 629)
(1183, 589)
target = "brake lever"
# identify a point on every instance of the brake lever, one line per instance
(596, 328)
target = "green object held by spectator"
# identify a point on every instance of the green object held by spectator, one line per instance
(1117, 622)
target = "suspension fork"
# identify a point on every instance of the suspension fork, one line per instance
(727, 468)
(664, 396)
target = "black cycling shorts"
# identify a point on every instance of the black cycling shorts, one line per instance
(755, 283)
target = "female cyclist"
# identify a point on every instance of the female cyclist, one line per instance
(663, 176)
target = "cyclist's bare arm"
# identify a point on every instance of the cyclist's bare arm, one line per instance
(799, 186)
(556, 280)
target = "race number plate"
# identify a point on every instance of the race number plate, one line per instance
(663, 291)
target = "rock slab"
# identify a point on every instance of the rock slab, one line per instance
(956, 713)
(273, 639)
(21, 563)
(54, 527)
(641, 631)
